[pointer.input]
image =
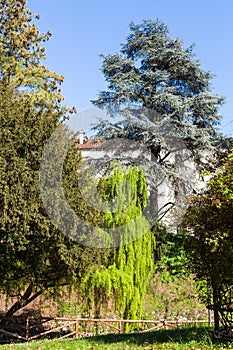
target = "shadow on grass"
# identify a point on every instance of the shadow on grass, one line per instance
(181, 336)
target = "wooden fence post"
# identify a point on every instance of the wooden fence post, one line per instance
(76, 329)
(120, 327)
(27, 328)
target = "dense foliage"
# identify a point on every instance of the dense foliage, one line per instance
(170, 257)
(127, 274)
(155, 71)
(210, 237)
(172, 109)
(34, 255)
(22, 55)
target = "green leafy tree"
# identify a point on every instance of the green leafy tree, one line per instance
(126, 275)
(208, 222)
(34, 255)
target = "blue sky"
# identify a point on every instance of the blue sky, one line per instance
(82, 30)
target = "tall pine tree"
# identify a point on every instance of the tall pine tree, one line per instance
(165, 100)
(155, 71)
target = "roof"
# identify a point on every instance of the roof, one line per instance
(90, 143)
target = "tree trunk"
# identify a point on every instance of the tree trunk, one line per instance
(24, 300)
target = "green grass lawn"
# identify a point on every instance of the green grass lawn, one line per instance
(188, 338)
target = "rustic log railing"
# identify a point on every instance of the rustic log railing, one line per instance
(77, 327)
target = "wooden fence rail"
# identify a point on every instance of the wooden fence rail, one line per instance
(77, 327)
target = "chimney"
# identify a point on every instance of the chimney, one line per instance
(81, 134)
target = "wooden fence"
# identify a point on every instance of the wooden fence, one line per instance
(30, 328)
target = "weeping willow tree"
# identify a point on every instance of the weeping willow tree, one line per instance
(125, 277)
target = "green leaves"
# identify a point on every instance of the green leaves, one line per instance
(209, 222)
(126, 274)
(34, 254)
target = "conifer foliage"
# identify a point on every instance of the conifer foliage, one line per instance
(22, 55)
(34, 255)
(155, 71)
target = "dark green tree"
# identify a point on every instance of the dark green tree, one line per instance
(209, 246)
(34, 255)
